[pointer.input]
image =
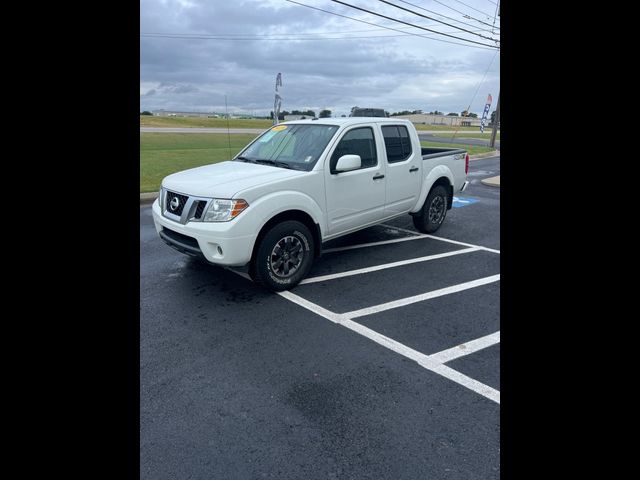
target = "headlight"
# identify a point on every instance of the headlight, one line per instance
(223, 210)
(160, 200)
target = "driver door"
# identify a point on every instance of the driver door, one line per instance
(355, 198)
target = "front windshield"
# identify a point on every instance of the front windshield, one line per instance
(289, 146)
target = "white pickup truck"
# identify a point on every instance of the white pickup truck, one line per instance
(302, 183)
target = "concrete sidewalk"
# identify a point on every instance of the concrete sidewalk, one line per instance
(492, 181)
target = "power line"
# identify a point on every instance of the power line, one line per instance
(411, 24)
(480, 21)
(444, 16)
(496, 13)
(439, 21)
(269, 34)
(253, 39)
(461, 13)
(273, 36)
(486, 14)
(388, 28)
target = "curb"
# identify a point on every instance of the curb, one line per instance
(492, 181)
(495, 153)
(147, 198)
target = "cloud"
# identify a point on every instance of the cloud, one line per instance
(395, 73)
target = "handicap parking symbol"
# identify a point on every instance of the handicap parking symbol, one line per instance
(463, 201)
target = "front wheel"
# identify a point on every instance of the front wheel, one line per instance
(433, 212)
(284, 256)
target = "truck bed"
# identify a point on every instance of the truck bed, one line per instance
(433, 152)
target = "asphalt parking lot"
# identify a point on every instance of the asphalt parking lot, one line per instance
(383, 363)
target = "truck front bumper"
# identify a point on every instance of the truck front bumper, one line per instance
(221, 243)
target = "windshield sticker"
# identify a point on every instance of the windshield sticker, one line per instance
(279, 128)
(308, 159)
(267, 136)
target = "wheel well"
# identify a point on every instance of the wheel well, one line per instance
(444, 181)
(301, 217)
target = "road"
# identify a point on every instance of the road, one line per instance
(237, 382)
(199, 130)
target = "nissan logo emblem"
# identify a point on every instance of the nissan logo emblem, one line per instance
(174, 204)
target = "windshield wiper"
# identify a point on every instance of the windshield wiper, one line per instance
(245, 159)
(275, 163)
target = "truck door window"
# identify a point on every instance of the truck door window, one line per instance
(397, 143)
(359, 141)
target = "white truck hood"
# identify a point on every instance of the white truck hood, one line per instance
(223, 180)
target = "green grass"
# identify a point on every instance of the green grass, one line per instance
(164, 153)
(461, 134)
(196, 122)
(472, 149)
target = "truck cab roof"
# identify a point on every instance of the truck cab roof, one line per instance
(346, 121)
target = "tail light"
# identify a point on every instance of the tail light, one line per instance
(466, 164)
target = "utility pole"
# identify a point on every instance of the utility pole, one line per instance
(492, 143)
(497, 120)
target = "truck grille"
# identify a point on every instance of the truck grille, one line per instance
(182, 200)
(200, 209)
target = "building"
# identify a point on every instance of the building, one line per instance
(428, 119)
(169, 113)
(297, 117)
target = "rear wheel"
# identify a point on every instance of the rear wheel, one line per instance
(433, 212)
(284, 256)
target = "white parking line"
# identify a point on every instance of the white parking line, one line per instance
(470, 383)
(425, 361)
(373, 244)
(455, 242)
(435, 362)
(356, 327)
(359, 271)
(442, 239)
(423, 296)
(465, 348)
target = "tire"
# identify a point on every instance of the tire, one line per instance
(433, 212)
(284, 256)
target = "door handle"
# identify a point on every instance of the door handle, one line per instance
(378, 177)
(414, 169)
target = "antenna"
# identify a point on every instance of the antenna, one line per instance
(226, 112)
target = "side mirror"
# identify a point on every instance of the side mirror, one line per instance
(347, 163)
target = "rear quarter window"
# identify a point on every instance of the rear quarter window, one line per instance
(397, 143)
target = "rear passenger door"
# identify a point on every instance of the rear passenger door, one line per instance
(403, 170)
(355, 198)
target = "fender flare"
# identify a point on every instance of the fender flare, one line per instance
(438, 172)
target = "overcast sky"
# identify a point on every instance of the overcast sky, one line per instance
(253, 40)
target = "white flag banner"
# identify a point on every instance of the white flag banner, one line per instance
(485, 113)
(277, 103)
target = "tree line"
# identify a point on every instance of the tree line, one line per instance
(304, 113)
(436, 112)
